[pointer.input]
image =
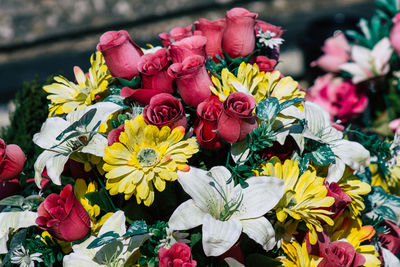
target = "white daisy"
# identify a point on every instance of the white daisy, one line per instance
(22, 257)
(268, 39)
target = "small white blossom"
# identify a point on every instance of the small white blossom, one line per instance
(269, 39)
(21, 257)
(172, 238)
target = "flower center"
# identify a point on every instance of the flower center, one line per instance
(147, 157)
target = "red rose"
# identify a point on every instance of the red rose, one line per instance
(341, 254)
(390, 240)
(237, 119)
(176, 34)
(265, 26)
(239, 39)
(213, 31)
(341, 199)
(187, 47)
(114, 134)
(12, 161)
(153, 67)
(63, 216)
(206, 125)
(192, 80)
(165, 110)
(179, 255)
(9, 188)
(120, 53)
(264, 64)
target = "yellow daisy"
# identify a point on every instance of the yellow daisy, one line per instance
(146, 157)
(66, 96)
(297, 255)
(304, 198)
(80, 190)
(259, 84)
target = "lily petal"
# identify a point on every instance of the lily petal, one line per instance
(186, 216)
(115, 223)
(39, 165)
(261, 231)
(55, 166)
(335, 171)
(51, 128)
(96, 145)
(351, 153)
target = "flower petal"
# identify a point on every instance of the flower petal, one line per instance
(55, 166)
(219, 236)
(186, 216)
(51, 128)
(351, 153)
(39, 165)
(96, 145)
(261, 231)
(115, 223)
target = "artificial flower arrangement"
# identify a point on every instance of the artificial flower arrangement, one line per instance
(197, 153)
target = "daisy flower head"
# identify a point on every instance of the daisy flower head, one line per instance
(145, 157)
(269, 39)
(66, 96)
(22, 258)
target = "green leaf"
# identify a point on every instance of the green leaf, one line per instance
(303, 161)
(323, 155)
(386, 212)
(83, 121)
(137, 228)
(103, 239)
(194, 238)
(114, 90)
(289, 103)
(15, 201)
(16, 241)
(100, 198)
(261, 260)
(134, 83)
(268, 108)
(117, 99)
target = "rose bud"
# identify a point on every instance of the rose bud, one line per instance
(114, 134)
(179, 255)
(342, 200)
(213, 31)
(264, 64)
(120, 53)
(176, 34)
(336, 52)
(12, 161)
(239, 39)
(192, 80)
(153, 67)
(391, 239)
(9, 188)
(165, 110)
(206, 125)
(341, 254)
(395, 34)
(187, 47)
(237, 119)
(63, 216)
(265, 26)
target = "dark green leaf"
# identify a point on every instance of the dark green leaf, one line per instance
(103, 239)
(137, 228)
(268, 108)
(84, 120)
(386, 212)
(134, 83)
(323, 155)
(117, 99)
(289, 103)
(256, 259)
(303, 161)
(114, 90)
(100, 198)
(16, 201)
(194, 238)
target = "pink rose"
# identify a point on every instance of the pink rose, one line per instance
(192, 80)
(179, 255)
(206, 125)
(394, 126)
(237, 119)
(337, 52)
(187, 47)
(9, 188)
(341, 199)
(165, 110)
(12, 161)
(213, 31)
(239, 39)
(63, 216)
(265, 26)
(120, 53)
(153, 67)
(264, 64)
(341, 98)
(341, 254)
(114, 134)
(176, 34)
(395, 34)
(391, 238)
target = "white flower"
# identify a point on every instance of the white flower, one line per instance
(22, 257)
(115, 253)
(172, 238)
(346, 152)
(268, 39)
(369, 63)
(77, 133)
(14, 220)
(225, 210)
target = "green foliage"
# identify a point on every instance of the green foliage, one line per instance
(104, 239)
(261, 137)
(149, 250)
(380, 205)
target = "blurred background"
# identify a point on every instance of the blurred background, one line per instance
(40, 38)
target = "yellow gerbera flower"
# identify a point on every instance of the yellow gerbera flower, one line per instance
(66, 96)
(354, 233)
(304, 198)
(146, 156)
(80, 190)
(297, 255)
(252, 81)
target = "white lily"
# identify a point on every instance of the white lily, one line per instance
(346, 152)
(14, 220)
(369, 63)
(77, 133)
(225, 210)
(116, 253)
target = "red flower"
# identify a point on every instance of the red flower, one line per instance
(63, 216)
(165, 110)
(179, 255)
(206, 125)
(12, 161)
(265, 26)
(120, 53)
(237, 119)
(239, 39)
(341, 254)
(114, 134)
(264, 64)
(176, 34)
(341, 199)
(192, 80)
(187, 47)
(213, 31)
(391, 240)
